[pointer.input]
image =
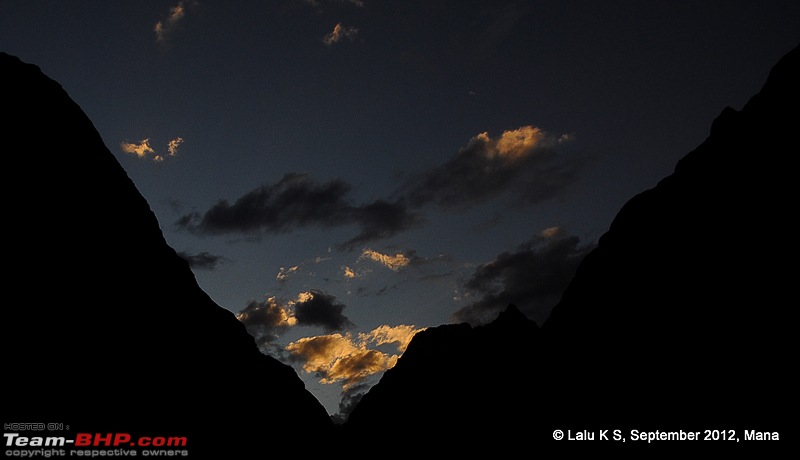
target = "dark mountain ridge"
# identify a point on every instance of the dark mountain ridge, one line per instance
(677, 320)
(108, 329)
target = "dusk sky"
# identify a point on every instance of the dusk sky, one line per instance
(344, 173)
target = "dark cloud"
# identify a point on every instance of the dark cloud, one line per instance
(267, 320)
(319, 309)
(297, 201)
(203, 260)
(382, 219)
(533, 277)
(350, 399)
(524, 161)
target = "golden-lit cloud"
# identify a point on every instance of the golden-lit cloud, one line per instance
(516, 143)
(267, 320)
(349, 273)
(140, 150)
(172, 146)
(527, 164)
(284, 273)
(279, 315)
(341, 358)
(304, 297)
(400, 335)
(143, 148)
(338, 33)
(395, 262)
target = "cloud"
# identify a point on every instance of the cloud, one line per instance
(350, 399)
(172, 146)
(533, 278)
(400, 335)
(297, 201)
(341, 358)
(284, 273)
(314, 308)
(177, 13)
(524, 161)
(349, 273)
(395, 262)
(203, 260)
(336, 358)
(267, 320)
(140, 150)
(339, 32)
(143, 149)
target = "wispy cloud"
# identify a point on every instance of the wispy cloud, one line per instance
(395, 262)
(533, 277)
(525, 161)
(338, 33)
(163, 29)
(285, 273)
(298, 201)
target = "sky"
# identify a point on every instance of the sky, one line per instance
(342, 174)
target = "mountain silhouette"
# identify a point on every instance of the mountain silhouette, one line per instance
(679, 319)
(105, 328)
(459, 379)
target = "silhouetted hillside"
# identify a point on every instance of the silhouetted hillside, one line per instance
(684, 302)
(458, 378)
(679, 319)
(105, 328)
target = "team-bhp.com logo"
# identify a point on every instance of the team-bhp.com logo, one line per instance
(94, 440)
